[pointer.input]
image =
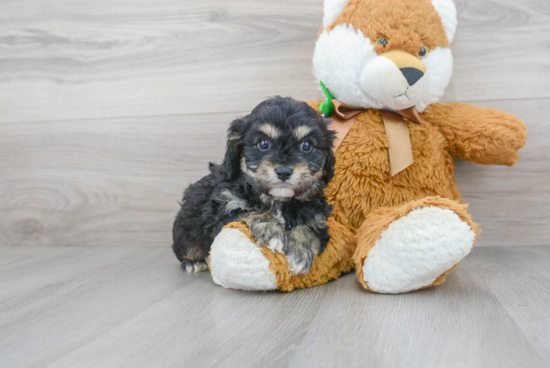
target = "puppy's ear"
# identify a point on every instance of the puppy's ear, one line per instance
(329, 167)
(233, 153)
(232, 160)
(329, 159)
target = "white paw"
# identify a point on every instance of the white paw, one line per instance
(269, 234)
(237, 263)
(276, 244)
(302, 248)
(298, 266)
(194, 267)
(416, 249)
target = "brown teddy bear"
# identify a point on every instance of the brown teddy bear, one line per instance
(398, 217)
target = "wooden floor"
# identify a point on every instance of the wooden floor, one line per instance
(109, 109)
(133, 307)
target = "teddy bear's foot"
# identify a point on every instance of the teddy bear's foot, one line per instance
(413, 246)
(237, 262)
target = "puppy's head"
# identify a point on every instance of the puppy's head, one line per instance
(283, 149)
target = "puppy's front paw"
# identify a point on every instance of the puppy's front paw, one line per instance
(193, 266)
(269, 234)
(300, 261)
(303, 246)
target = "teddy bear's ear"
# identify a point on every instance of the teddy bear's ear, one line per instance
(332, 9)
(447, 11)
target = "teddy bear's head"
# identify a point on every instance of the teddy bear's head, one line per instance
(386, 54)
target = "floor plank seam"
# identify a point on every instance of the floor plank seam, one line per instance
(128, 117)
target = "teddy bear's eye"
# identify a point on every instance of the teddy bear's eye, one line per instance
(382, 41)
(423, 51)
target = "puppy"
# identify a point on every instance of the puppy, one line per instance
(278, 160)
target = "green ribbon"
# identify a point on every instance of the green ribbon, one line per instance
(326, 106)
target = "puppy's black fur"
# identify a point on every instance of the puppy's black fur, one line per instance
(277, 162)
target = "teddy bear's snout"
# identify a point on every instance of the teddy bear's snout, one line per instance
(396, 79)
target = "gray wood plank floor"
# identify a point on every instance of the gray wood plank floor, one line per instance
(62, 59)
(130, 307)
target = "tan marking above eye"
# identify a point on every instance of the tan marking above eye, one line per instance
(301, 132)
(270, 130)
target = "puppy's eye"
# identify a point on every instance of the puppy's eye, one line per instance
(264, 144)
(383, 41)
(423, 51)
(306, 146)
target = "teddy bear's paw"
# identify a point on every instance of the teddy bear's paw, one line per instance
(416, 249)
(237, 262)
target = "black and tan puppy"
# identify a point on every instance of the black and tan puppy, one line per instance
(278, 160)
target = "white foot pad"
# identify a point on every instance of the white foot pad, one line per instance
(238, 263)
(416, 249)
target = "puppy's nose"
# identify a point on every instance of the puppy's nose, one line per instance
(412, 75)
(283, 173)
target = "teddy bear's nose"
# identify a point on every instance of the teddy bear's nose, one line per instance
(412, 75)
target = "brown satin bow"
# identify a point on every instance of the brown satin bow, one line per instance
(397, 131)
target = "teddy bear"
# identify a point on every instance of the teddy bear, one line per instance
(398, 218)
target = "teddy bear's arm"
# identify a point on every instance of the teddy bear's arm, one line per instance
(479, 134)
